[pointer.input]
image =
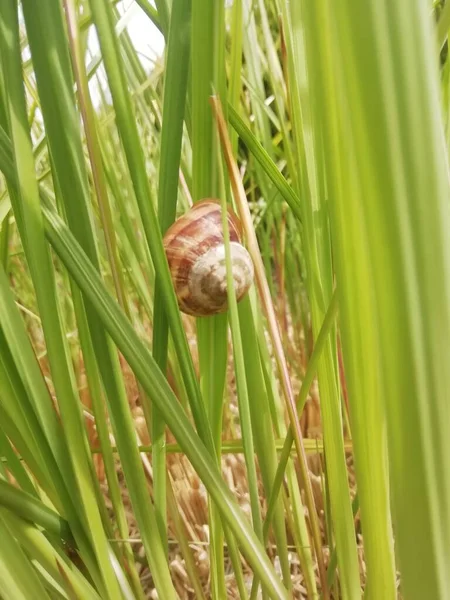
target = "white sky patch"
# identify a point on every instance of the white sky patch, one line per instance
(147, 39)
(145, 36)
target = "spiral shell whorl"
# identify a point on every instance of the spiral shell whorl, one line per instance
(196, 255)
(208, 278)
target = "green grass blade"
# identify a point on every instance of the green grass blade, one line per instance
(208, 73)
(241, 383)
(262, 156)
(163, 12)
(234, 79)
(262, 428)
(175, 88)
(67, 158)
(28, 507)
(18, 579)
(15, 466)
(41, 550)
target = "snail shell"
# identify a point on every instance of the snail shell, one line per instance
(195, 252)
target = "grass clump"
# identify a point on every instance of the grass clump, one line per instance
(294, 446)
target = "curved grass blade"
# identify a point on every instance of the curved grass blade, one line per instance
(31, 509)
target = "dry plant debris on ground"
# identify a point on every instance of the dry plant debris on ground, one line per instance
(191, 496)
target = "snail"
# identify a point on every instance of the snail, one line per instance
(195, 251)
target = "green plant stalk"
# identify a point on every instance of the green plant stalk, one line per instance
(42, 409)
(102, 430)
(208, 73)
(443, 26)
(238, 197)
(4, 240)
(296, 520)
(15, 466)
(86, 22)
(266, 301)
(141, 253)
(262, 428)
(19, 423)
(93, 146)
(33, 510)
(175, 88)
(265, 161)
(264, 242)
(217, 411)
(235, 68)
(332, 564)
(23, 426)
(163, 8)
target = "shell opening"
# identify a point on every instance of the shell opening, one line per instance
(208, 279)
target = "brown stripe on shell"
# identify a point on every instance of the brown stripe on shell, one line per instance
(194, 233)
(197, 211)
(206, 209)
